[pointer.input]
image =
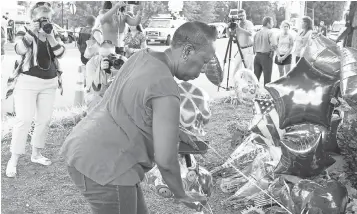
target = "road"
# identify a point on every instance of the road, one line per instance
(71, 61)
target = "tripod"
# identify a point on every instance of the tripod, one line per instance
(229, 49)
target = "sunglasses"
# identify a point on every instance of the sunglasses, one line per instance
(42, 3)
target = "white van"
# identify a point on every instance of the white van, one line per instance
(161, 29)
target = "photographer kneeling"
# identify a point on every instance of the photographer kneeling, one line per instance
(34, 85)
(101, 70)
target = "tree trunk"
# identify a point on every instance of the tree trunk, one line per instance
(353, 12)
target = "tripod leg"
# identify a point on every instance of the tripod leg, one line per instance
(240, 52)
(229, 63)
(225, 56)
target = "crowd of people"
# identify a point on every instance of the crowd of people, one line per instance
(131, 125)
(258, 49)
(133, 117)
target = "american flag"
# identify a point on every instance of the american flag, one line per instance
(266, 121)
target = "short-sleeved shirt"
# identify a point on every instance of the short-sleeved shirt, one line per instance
(285, 42)
(113, 144)
(263, 41)
(301, 41)
(134, 41)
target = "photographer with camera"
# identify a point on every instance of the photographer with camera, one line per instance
(101, 70)
(36, 77)
(244, 30)
(113, 20)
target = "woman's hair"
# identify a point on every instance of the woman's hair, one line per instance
(308, 22)
(107, 5)
(285, 22)
(198, 34)
(36, 9)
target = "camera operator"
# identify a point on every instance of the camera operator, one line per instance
(101, 69)
(36, 77)
(113, 21)
(244, 31)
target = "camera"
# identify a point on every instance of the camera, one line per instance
(133, 2)
(45, 25)
(114, 61)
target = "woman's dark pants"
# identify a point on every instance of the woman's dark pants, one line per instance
(109, 199)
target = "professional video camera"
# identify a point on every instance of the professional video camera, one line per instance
(115, 61)
(45, 25)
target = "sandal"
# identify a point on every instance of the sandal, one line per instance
(41, 160)
(11, 170)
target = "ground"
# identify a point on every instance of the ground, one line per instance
(39, 189)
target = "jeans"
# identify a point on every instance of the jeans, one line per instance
(33, 97)
(263, 62)
(109, 199)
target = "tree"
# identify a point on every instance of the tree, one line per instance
(353, 18)
(327, 11)
(257, 10)
(152, 8)
(199, 11)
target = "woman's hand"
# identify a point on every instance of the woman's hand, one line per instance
(193, 200)
(104, 64)
(35, 26)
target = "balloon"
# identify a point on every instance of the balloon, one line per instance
(194, 178)
(330, 143)
(324, 55)
(303, 96)
(213, 71)
(300, 193)
(349, 76)
(246, 85)
(266, 121)
(330, 199)
(195, 111)
(302, 152)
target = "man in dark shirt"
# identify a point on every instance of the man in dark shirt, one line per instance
(322, 28)
(84, 35)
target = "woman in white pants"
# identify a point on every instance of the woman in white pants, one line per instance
(34, 85)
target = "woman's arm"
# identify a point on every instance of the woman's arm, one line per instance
(143, 42)
(133, 21)
(56, 44)
(166, 120)
(23, 44)
(277, 49)
(107, 17)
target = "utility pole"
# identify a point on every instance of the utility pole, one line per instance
(62, 15)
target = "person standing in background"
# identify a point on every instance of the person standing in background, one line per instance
(34, 84)
(84, 35)
(284, 48)
(264, 49)
(303, 37)
(135, 40)
(244, 31)
(322, 28)
(113, 20)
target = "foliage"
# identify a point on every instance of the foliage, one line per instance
(327, 11)
(199, 11)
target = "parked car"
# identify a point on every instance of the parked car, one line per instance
(221, 28)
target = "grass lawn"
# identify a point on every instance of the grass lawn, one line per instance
(47, 190)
